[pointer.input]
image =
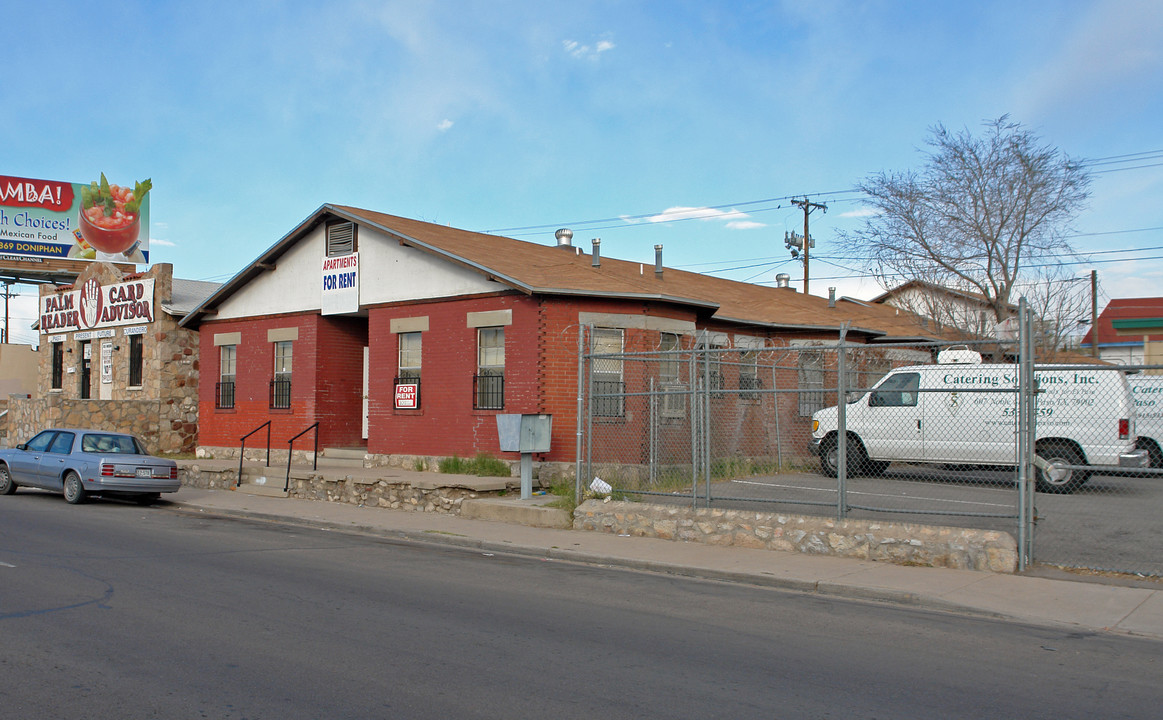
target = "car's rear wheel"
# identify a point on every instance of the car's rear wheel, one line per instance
(7, 484)
(1058, 479)
(74, 492)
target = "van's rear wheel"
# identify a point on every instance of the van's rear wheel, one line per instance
(1058, 479)
(1154, 454)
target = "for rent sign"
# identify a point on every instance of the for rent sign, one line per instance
(94, 306)
(407, 396)
(97, 221)
(340, 284)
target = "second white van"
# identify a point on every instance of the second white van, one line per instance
(964, 412)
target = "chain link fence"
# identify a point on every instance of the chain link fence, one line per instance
(927, 433)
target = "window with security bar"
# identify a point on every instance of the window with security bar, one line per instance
(58, 365)
(136, 360)
(224, 393)
(408, 366)
(811, 381)
(609, 388)
(489, 382)
(281, 384)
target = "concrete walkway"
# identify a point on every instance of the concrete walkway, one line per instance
(1048, 602)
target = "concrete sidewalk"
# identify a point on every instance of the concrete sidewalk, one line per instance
(1049, 602)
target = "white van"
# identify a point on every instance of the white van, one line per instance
(940, 414)
(1147, 390)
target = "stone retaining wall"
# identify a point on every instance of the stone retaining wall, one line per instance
(362, 491)
(900, 543)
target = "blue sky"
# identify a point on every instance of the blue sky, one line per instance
(686, 124)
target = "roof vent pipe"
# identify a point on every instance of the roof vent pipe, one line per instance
(831, 297)
(782, 280)
(658, 261)
(596, 260)
(564, 237)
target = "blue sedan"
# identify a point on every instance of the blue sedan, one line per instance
(80, 463)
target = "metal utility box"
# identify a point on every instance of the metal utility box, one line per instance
(524, 433)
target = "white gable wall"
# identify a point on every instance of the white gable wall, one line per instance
(389, 272)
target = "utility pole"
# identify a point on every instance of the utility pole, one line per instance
(4, 338)
(1094, 313)
(807, 207)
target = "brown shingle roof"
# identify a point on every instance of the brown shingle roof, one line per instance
(534, 268)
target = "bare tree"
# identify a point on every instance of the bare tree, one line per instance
(982, 215)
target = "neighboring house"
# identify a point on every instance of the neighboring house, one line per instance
(408, 338)
(1119, 344)
(968, 312)
(112, 356)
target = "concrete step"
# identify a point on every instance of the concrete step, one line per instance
(341, 457)
(271, 488)
(512, 509)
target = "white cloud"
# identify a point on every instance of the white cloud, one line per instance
(156, 242)
(735, 218)
(863, 212)
(444, 125)
(587, 52)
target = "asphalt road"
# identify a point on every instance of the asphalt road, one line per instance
(111, 610)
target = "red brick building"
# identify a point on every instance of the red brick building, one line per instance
(408, 338)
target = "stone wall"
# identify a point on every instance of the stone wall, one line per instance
(361, 491)
(900, 543)
(147, 419)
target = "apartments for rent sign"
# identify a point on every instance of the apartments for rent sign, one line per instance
(340, 284)
(95, 306)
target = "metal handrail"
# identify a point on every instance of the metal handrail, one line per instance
(314, 457)
(242, 449)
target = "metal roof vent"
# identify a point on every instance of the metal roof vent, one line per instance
(658, 261)
(564, 237)
(782, 280)
(596, 260)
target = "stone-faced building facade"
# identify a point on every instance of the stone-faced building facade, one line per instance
(112, 355)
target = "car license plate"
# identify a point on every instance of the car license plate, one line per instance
(143, 472)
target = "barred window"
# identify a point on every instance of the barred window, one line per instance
(489, 382)
(409, 363)
(136, 361)
(749, 370)
(224, 396)
(58, 365)
(811, 377)
(668, 365)
(609, 388)
(281, 384)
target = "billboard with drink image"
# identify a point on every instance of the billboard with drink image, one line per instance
(95, 221)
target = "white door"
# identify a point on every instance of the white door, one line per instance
(365, 375)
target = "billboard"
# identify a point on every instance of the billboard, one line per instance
(95, 221)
